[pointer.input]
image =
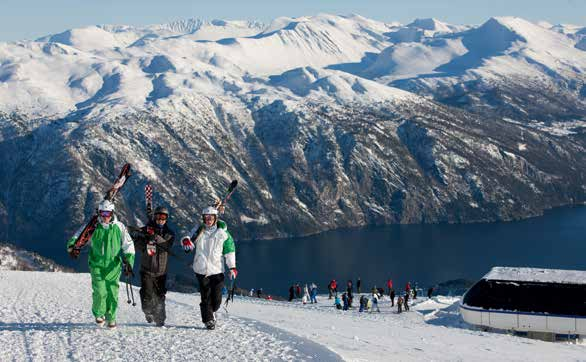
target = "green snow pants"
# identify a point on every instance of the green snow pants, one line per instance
(105, 282)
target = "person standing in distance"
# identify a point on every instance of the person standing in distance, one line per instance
(215, 241)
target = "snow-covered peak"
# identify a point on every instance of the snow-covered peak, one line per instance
(421, 29)
(433, 25)
(133, 67)
(500, 46)
(545, 24)
(567, 28)
(495, 35)
(526, 41)
(353, 24)
(215, 29)
(336, 85)
(98, 37)
(89, 38)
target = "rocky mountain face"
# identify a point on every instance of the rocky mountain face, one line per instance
(315, 129)
(14, 258)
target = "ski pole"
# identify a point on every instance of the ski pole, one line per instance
(131, 294)
(230, 296)
(127, 292)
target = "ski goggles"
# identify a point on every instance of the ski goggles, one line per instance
(104, 213)
(160, 216)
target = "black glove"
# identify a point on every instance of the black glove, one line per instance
(127, 269)
(73, 252)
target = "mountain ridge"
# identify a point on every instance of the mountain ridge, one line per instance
(324, 120)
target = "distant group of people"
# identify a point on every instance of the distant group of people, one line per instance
(345, 300)
(309, 293)
(366, 303)
(257, 293)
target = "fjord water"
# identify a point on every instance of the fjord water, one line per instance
(424, 254)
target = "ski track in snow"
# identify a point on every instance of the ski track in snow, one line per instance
(47, 317)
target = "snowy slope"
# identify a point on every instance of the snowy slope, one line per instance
(50, 319)
(47, 316)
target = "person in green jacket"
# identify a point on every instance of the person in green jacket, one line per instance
(105, 263)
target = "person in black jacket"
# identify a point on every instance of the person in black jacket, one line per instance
(291, 292)
(349, 293)
(154, 242)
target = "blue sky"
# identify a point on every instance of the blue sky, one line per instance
(29, 19)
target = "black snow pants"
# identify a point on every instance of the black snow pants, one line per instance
(210, 288)
(152, 296)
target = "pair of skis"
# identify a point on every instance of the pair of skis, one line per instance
(148, 197)
(87, 232)
(219, 206)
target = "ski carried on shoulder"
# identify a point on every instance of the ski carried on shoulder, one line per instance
(90, 227)
(148, 198)
(150, 231)
(219, 206)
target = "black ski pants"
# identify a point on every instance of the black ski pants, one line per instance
(152, 296)
(210, 288)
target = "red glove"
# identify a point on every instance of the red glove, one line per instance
(233, 273)
(187, 244)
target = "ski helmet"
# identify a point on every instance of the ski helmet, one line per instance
(210, 210)
(106, 205)
(161, 210)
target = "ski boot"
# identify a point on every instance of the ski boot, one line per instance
(100, 321)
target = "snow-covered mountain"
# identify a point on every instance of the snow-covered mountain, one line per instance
(51, 318)
(326, 121)
(507, 67)
(14, 258)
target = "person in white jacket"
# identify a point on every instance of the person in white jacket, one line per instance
(214, 242)
(305, 298)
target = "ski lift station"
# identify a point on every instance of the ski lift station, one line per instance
(544, 302)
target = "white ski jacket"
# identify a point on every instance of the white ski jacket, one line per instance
(214, 243)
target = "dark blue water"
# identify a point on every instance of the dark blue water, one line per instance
(425, 254)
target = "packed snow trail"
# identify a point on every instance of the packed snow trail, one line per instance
(47, 316)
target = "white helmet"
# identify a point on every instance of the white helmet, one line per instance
(106, 205)
(210, 210)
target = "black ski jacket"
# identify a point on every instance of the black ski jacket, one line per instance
(155, 265)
